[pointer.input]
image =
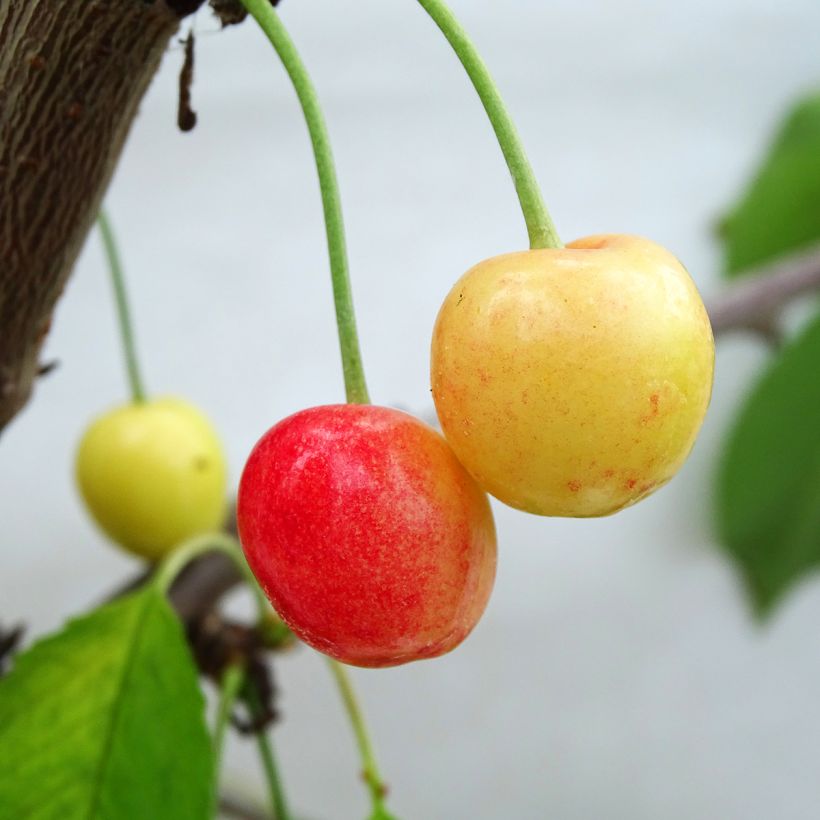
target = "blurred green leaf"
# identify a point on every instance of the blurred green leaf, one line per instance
(106, 720)
(769, 480)
(780, 211)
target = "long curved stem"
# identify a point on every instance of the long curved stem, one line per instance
(123, 311)
(355, 385)
(268, 758)
(271, 25)
(540, 227)
(370, 769)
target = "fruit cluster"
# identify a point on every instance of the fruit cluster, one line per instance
(568, 381)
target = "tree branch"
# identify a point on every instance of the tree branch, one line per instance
(754, 300)
(71, 78)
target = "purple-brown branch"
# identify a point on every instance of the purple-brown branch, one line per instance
(756, 299)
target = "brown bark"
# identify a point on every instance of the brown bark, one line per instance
(72, 74)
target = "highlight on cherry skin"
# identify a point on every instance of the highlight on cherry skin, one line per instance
(370, 539)
(573, 381)
(153, 474)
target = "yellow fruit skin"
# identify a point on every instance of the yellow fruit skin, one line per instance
(573, 382)
(153, 475)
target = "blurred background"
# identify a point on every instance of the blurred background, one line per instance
(618, 672)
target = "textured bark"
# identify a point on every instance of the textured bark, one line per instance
(72, 74)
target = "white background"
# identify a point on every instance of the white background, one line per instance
(617, 672)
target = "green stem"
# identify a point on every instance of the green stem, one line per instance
(123, 312)
(199, 545)
(540, 226)
(355, 385)
(370, 769)
(232, 681)
(272, 26)
(268, 758)
(234, 677)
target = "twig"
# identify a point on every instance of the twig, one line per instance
(201, 585)
(186, 116)
(752, 301)
(240, 810)
(196, 590)
(9, 643)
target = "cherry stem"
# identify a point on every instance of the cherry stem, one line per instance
(370, 769)
(267, 756)
(540, 227)
(231, 684)
(268, 20)
(234, 680)
(192, 549)
(123, 311)
(355, 385)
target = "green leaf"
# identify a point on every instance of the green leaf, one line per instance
(780, 211)
(106, 720)
(769, 480)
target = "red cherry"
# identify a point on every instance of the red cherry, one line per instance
(371, 540)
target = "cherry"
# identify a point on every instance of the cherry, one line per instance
(573, 381)
(152, 475)
(370, 539)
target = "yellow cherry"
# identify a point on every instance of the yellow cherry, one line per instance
(153, 474)
(573, 381)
